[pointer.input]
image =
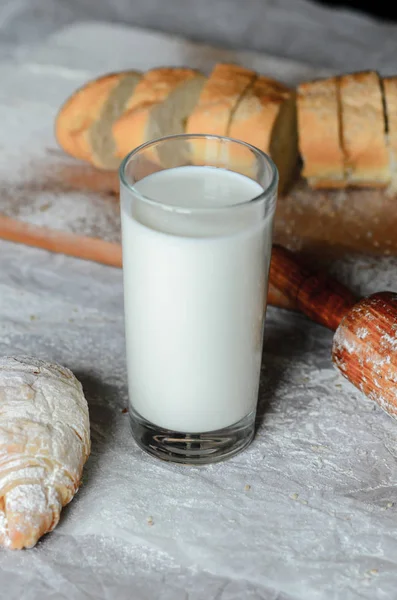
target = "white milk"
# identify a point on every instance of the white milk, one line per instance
(194, 285)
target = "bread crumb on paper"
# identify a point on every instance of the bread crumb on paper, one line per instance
(370, 573)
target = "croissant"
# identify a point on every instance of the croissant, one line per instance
(44, 443)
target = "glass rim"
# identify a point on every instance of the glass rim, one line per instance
(269, 192)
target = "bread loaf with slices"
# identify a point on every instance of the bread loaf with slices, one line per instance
(344, 139)
(112, 115)
(344, 127)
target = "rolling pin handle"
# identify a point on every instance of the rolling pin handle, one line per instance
(317, 295)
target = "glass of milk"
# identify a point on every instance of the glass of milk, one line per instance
(197, 218)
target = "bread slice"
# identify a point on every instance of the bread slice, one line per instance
(97, 142)
(213, 114)
(364, 130)
(266, 118)
(390, 93)
(87, 107)
(218, 99)
(320, 142)
(160, 106)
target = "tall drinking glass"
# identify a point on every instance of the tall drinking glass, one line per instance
(197, 219)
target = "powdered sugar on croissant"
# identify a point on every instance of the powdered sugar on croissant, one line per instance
(44, 443)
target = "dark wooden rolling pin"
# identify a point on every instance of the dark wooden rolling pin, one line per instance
(364, 347)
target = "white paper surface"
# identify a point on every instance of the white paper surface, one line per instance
(319, 518)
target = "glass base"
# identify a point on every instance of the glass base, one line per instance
(192, 448)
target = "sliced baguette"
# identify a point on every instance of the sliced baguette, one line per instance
(364, 130)
(390, 91)
(83, 109)
(160, 106)
(319, 129)
(266, 118)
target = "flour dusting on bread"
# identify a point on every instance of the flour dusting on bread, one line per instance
(44, 443)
